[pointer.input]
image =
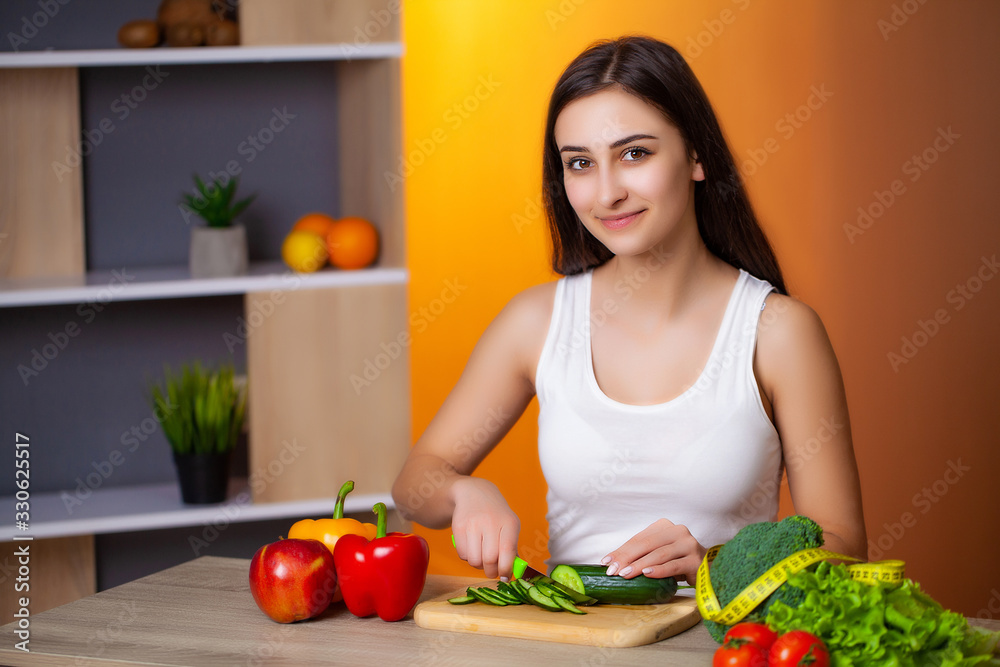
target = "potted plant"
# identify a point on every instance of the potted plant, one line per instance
(202, 414)
(220, 249)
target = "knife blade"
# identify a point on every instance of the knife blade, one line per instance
(522, 570)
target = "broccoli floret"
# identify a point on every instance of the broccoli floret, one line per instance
(753, 551)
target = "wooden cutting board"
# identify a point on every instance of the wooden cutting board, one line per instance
(602, 625)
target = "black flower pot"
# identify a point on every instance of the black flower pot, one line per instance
(204, 478)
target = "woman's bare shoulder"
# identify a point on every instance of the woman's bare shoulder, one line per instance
(792, 342)
(522, 326)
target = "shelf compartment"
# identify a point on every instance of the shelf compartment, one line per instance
(156, 506)
(199, 55)
(171, 282)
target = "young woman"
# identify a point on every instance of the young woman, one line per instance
(674, 375)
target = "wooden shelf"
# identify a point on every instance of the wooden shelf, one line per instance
(157, 506)
(200, 55)
(173, 282)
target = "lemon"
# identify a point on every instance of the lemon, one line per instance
(304, 251)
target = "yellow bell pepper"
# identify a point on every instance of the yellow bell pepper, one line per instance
(328, 531)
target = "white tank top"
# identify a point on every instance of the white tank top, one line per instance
(709, 459)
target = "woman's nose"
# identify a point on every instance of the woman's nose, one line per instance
(611, 187)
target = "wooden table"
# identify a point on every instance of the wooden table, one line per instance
(202, 613)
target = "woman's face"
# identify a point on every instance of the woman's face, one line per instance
(626, 171)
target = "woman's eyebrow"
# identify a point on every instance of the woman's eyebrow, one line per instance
(616, 144)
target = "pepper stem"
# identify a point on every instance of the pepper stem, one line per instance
(380, 511)
(338, 509)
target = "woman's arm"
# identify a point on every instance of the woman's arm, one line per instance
(798, 370)
(435, 487)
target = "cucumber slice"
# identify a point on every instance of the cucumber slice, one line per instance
(483, 595)
(567, 605)
(462, 599)
(520, 588)
(567, 576)
(510, 598)
(510, 592)
(551, 591)
(542, 600)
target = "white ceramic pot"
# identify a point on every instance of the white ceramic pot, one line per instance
(218, 252)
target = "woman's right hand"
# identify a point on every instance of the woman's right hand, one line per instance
(484, 526)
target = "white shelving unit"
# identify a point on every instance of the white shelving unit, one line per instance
(201, 55)
(157, 506)
(169, 282)
(331, 320)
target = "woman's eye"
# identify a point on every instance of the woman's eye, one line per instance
(577, 163)
(636, 153)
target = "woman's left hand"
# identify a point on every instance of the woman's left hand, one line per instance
(664, 549)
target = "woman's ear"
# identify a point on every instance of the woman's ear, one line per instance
(697, 171)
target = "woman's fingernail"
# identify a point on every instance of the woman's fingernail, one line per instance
(605, 560)
(626, 571)
(612, 569)
(504, 579)
(647, 570)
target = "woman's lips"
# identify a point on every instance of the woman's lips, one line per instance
(619, 221)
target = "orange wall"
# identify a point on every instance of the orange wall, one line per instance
(883, 83)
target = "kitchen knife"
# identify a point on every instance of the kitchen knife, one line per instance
(522, 570)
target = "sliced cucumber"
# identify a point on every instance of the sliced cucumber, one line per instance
(567, 605)
(510, 598)
(542, 600)
(462, 599)
(510, 592)
(592, 580)
(484, 596)
(520, 588)
(551, 591)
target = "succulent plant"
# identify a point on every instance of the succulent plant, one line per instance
(214, 201)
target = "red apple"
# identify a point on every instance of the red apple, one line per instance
(292, 580)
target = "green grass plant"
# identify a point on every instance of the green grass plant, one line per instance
(201, 410)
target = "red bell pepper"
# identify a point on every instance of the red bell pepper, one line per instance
(383, 576)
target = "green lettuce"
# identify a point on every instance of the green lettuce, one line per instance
(890, 625)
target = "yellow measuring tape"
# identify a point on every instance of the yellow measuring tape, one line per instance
(889, 571)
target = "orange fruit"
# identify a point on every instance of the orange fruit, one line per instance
(317, 223)
(352, 243)
(303, 251)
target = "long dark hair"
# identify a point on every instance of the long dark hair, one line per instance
(656, 73)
